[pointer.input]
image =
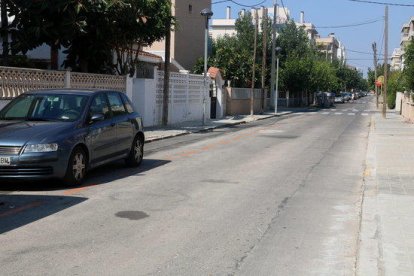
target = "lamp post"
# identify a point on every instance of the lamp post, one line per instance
(277, 50)
(207, 13)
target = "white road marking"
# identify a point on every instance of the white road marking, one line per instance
(351, 113)
(338, 113)
(325, 113)
(364, 114)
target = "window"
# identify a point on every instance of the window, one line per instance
(128, 104)
(100, 106)
(117, 106)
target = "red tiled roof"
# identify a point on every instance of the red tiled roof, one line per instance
(146, 54)
(213, 71)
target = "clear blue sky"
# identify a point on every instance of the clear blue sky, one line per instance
(342, 12)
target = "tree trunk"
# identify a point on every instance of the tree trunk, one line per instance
(5, 32)
(166, 90)
(54, 57)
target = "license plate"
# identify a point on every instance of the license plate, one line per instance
(4, 161)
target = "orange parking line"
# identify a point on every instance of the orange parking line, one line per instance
(77, 190)
(21, 208)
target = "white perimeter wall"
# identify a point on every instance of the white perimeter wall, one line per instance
(186, 94)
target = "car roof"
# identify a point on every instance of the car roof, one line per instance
(69, 91)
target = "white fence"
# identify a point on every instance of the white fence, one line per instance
(15, 81)
(186, 94)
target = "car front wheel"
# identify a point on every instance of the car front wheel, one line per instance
(136, 154)
(76, 170)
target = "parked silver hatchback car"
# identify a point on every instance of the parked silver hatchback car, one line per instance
(64, 133)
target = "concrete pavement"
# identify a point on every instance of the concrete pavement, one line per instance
(158, 133)
(387, 226)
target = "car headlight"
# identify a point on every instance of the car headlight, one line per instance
(41, 148)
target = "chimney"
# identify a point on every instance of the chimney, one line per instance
(242, 12)
(302, 17)
(228, 12)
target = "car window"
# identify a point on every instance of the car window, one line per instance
(117, 106)
(46, 107)
(19, 109)
(99, 105)
(128, 104)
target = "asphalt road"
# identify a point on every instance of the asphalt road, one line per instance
(280, 196)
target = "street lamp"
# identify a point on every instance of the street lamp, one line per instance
(207, 13)
(277, 50)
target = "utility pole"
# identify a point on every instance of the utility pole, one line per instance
(273, 68)
(374, 48)
(384, 96)
(166, 90)
(5, 32)
(264, 32)
(254, 62)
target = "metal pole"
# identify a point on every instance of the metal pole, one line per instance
(374, 47)
(205, 71)
(254, 63)
(264, 33)
(273, 68)
(277, 82)
(384, 97)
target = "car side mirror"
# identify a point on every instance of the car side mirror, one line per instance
(97, 118)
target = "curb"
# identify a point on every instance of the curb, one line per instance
(208, 129)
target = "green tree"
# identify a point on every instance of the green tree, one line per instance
(409, 66)
(396, 83)
(91, 30)
(54, 22)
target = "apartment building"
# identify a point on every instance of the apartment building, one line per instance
(407, 35)
(187, 39)
(396, 60)
(328, 46)
(227, 26)
(309, 28)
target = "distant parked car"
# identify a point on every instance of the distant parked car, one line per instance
(346, 96)
(339, 99)
(64, 133)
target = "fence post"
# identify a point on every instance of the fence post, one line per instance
(187, 94)
(67, 79)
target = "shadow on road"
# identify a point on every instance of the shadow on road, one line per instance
(98, 176)
(19, 210)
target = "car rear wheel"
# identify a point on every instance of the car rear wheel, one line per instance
(76, 170)
(136, 154)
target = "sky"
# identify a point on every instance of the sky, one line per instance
(333, 13)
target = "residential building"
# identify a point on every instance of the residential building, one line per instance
(227, 26)
(309, 28)
(187, 39)
(328, 46)
(222, 27)
(396, 60)
(341, 55)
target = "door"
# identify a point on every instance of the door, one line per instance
(124, 125)
(213, 108)
(102, 134)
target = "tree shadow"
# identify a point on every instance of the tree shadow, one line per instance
(101, 175)
(19, 210)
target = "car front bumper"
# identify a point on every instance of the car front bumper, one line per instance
(36, 166)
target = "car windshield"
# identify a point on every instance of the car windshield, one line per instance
(45, 107)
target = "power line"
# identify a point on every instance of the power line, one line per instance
(383, 3)
(239, 4)
(351, 25)
(285, 10)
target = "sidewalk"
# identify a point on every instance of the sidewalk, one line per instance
(387, 226)
(158, 133)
